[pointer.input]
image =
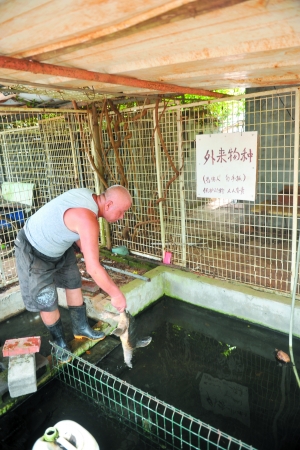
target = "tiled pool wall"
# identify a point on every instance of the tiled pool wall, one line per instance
(268, 309)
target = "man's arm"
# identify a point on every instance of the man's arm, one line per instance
(85, 223)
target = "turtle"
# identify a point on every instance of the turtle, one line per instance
(281, 356)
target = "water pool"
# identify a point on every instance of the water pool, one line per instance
(218, 369)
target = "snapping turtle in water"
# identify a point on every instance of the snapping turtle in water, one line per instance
(281, 356)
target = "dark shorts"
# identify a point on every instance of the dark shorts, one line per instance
(40, 275)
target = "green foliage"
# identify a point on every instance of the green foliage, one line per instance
(221, 112)
(176, 327)
(188, 98)
(30, 121)
(128, 105)
(228, 350)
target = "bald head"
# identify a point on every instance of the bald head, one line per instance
(117, 201)
(117, 192)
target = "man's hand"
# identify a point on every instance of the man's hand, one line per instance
(119, 302)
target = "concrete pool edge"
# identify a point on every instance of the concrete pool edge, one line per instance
(243, 302)
(271, 310)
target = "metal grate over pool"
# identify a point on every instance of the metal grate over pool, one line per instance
(154, 419)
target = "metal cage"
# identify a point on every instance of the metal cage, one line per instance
(151, 150)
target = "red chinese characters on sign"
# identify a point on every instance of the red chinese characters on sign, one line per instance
(231, 155)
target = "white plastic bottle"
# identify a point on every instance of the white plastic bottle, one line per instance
(67, 435)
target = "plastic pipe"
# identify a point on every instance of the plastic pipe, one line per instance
(134, 275)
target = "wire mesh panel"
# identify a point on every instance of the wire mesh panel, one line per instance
(171, 200)
(59, 158)
(154, 419)
(64, 140)
(128, 153)
(212, 224)
(151, 149)
(273, 116)
(22, 176)
(242, 240)
(247, 241)
(42, 154)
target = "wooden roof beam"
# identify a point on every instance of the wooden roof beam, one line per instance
(24, 65)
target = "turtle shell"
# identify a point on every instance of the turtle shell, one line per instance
(281, 356)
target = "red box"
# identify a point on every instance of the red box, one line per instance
(21, 346)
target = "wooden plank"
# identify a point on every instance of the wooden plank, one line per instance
(100, 350)
(189, 10)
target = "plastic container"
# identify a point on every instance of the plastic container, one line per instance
(68, 435)
(17, 216)
(167, 257)
(121, 250)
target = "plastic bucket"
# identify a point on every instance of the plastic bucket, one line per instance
(66, 434)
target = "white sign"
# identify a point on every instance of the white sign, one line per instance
(227, 165)
(225, 397)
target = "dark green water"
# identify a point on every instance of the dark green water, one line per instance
(220, 370)
(22, 427)
(217, 369)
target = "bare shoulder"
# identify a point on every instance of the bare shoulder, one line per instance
(80, 219)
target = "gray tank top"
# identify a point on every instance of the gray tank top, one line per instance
(46, 231)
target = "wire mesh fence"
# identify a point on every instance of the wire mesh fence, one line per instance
(253, 242)
(41, 156)
(151, 149)
(147, 415)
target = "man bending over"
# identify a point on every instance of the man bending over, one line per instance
(46, 260)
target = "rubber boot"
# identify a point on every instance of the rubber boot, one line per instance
(81, 328)
(58, 337)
